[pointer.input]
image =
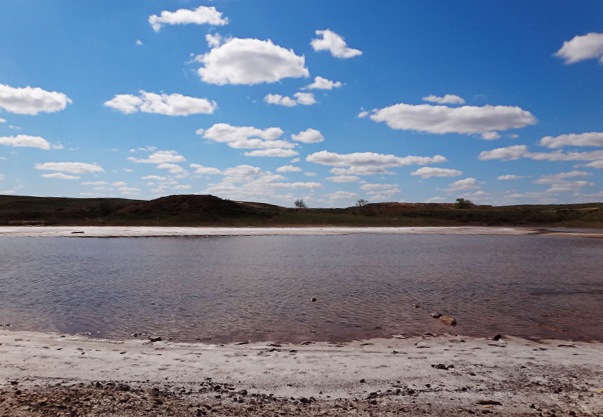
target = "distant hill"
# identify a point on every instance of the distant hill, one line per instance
(190, 209)
(208, 210)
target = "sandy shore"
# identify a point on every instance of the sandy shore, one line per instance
(145, 231)
(49, 374)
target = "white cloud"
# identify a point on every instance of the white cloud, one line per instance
(442, 119)
(367, 163)
(214, 40)
(335, 44)
(342, 195)
(139, 42)
(559, 183)
(249, 137)
(509, 153)
(490, 135)
(72, 167)
(2, 120)
(166, 104)
(380, 191)
(246, 181)
(250, 61)
(275, 153)
(173, 169)
(199, 16)
(95, 183)
(25, 141)
(160, 157)
(447, 99)
(546, 179)
(288, 168)
(31, 100)
(305, 99)
(573, 139)
(321, 83)
(595, 164)
(580, 48)
(428, 172)
(463, 185)
(509, 177)
(308, 136)
(344, 178)
(202, 170)
(61, 176)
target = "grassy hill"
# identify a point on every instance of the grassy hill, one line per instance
(207, 210)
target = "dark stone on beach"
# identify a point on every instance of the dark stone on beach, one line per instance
(497, 337)
(417, 305)
(450, 321)
(436, 315)
(155, 338)
(488, 402)
(313, 299)
(441, 366)
(362, 381)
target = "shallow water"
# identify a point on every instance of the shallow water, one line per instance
(255, 288)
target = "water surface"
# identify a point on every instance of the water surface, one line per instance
(255, 288)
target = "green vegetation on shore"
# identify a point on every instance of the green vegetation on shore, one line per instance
(207, 210)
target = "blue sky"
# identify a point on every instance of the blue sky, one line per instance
(332, 101)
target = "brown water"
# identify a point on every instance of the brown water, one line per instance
(259, 288)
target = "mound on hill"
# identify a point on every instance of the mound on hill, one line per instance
(190, 208)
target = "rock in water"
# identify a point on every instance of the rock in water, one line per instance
(313, 299)
(436, 315)
(450, 321)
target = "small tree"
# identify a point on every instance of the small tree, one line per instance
(461, 203)
(300, 204)
(361, 203)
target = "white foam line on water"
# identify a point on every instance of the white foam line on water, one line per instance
(146, 231)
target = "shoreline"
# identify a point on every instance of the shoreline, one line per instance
(427, 375)
(165, 231)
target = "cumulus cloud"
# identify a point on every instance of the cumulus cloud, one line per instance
(273, 153)
(173, 169)
(447, 99)
(442, 119)
(580, 48)
(264, 142)
(202, 170)
(31, 100)
(71, 167)
(246, 181)
(463, 185)
(2, 120)
(166, 104)
(60, 176)
(508, 153)
(288, 168)
(573, 139)
(305, 99)
(159, 158)
(25, 141)
(559, 183)
(428, 172)
(595, 158)
(380, 191)
(334, 43)
(342, 195)
(344, 178)
(509, 177)
(202, 15)
(308, 136)
(250, 61)
(367, 163)
(321, 83)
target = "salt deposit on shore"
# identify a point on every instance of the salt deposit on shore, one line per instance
(443, 375)
(145, 231)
